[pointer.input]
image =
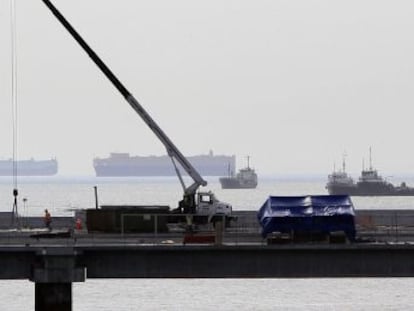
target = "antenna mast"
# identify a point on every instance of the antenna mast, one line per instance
(15, 214)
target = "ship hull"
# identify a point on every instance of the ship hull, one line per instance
(370, 190)
(138, 170)
(127, 166)
(234, 183)
(29, 168)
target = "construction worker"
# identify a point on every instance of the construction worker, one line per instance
(47, 219)
(78, 224)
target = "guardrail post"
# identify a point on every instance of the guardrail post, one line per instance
(156, 224)
(219, 231)
(396, 226)
(122, 224)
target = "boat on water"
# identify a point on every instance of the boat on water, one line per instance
(339, 182)
(246, 178)
(370, 183)
(123, 164)
(29, 167)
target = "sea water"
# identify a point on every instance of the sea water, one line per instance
(225, 294)
(63, 195)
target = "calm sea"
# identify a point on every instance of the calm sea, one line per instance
(61, 195)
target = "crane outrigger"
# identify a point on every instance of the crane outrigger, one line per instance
(203, 204)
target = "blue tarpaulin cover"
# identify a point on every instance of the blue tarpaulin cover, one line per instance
(312, 213)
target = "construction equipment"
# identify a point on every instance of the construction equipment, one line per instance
(204, 203)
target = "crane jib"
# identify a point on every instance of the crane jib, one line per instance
(108, 73)
(171, 148)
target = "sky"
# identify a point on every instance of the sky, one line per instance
(292, 84)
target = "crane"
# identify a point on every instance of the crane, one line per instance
(189, 203)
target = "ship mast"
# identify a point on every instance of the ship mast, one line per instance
(343, 162)
(370, 159)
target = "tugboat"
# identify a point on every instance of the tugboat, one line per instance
(246, 178)
(370, 183)
(339, 182)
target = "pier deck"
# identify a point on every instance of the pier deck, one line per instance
(53, 262)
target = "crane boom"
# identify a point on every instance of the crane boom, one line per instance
(172, 150)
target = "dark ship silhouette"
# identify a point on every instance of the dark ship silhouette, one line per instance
(29, 167)
(370, 183)
(246, 178)
(123, 164)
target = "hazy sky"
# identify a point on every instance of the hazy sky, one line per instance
(291, 83)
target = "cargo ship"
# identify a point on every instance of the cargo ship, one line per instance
(246, 178)
(29, 167)
(123, 164)
(370, 183)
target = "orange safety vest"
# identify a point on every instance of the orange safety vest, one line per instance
(47, 217)
(78, 224)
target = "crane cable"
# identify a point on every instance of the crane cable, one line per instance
(13, 27)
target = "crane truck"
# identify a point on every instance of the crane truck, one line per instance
(198, 203)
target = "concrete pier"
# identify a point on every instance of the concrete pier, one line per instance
(54, 265)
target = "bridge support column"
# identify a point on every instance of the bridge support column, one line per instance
(53, 296)
(53, 273)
